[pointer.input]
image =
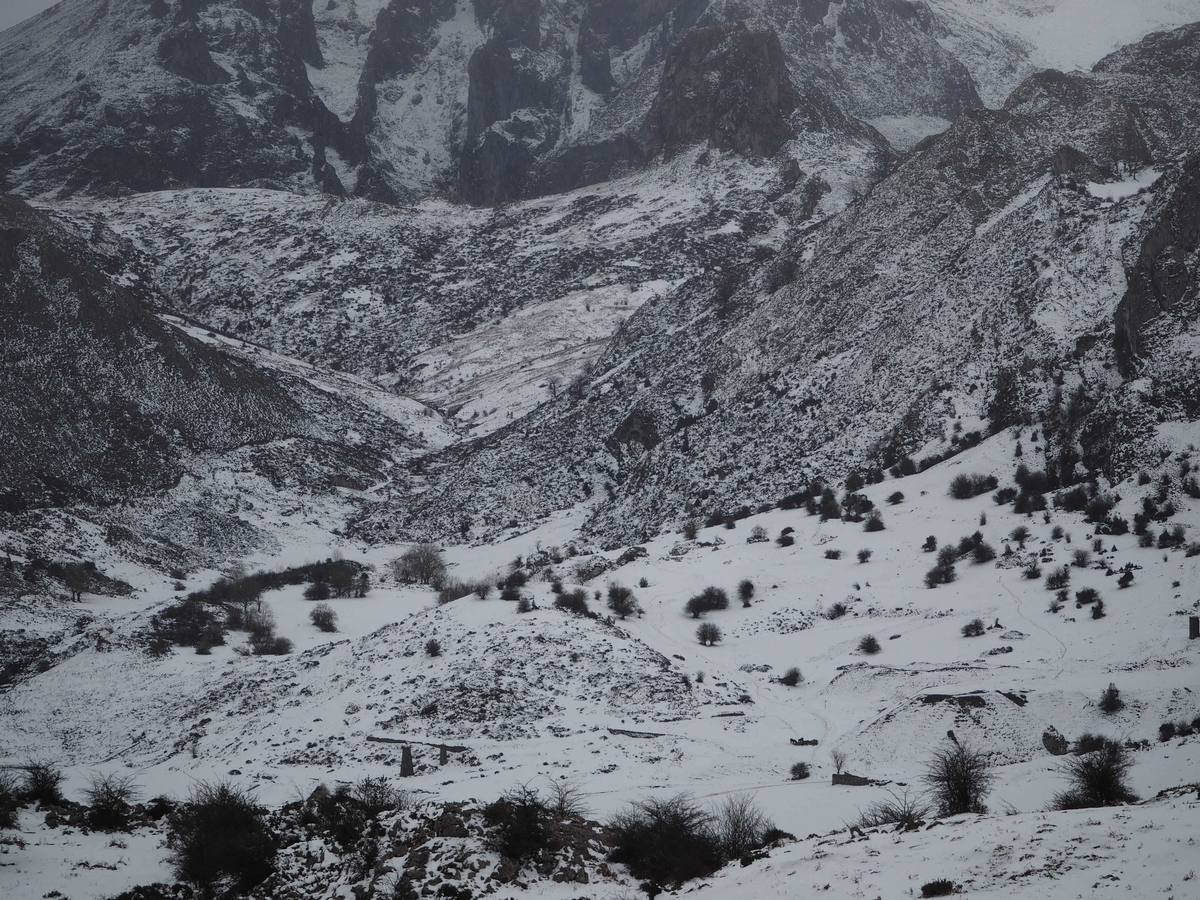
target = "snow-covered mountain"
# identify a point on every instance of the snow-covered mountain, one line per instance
(488, 101)
(878, 316)
(1022, 239)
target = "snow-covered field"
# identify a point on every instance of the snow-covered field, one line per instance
(547, 695)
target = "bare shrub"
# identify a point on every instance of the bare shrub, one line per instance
(666, 841)
(1097, 779)
(221, 835)
(740, 826)
(109, 801)
(323, 616)
(904, 810)
(43, 784)
(10, 798)
(376, 795)
(566, 800)
(421, 563)
(959, 776)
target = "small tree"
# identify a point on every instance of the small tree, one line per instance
(1110, 700)
(573, 601)
(1020, 534)
(433, 647)
(829, 507)
(482, 590)
(864, 556)
(323, 616)
(666, 841)
(791, 677)
(974, 628)
(10, 800)
(874, 521)
(983, 553)
(746, 592)
(1058, 579)
(800, 771)
(621, 601)
(930, 544)
(421, 563)
(317, 591)
(839, 761)
(869, 645)
(959, 777)
(708, 634)
(691, 528)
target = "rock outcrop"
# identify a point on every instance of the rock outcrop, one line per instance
(727, 85)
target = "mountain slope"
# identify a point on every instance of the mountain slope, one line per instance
(1001, 245)
(135, 432)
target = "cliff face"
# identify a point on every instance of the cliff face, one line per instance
(1163, 279)
(487, 100)
(727, 85)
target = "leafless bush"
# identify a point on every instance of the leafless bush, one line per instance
(959, 777)
(109, 798)
(903, 810)
(740, 826)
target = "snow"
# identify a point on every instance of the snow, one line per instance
(905, 132)
(1122, 190)
(1003, 41)
(343, 34)
(562, 682)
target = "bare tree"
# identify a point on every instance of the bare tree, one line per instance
(839, 760)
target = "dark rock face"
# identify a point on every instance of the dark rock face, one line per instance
(512, 22)
(183, 51)
(109, 403)
(727, 85)
(513, 118)
(1164, 282)
(152, 108)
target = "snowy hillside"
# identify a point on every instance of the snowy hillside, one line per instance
(637, 707)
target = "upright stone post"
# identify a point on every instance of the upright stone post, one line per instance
(406, 762)
(1194, 628)
(443, 755)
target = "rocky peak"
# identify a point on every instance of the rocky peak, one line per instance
(725, 84)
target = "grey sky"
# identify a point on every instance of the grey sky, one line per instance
(14, 11)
